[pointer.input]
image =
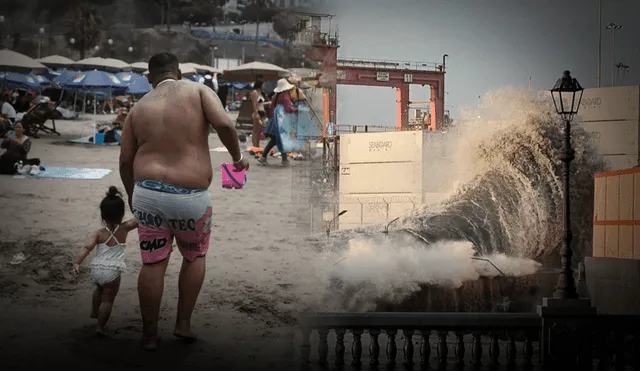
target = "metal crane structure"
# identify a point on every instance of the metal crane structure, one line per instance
(317, 44)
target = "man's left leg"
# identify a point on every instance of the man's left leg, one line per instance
(193, 245)
(189, 285)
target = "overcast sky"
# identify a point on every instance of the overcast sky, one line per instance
(491, 43)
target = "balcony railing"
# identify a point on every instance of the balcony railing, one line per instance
(477, 341)
(419, 340)
(389, 65)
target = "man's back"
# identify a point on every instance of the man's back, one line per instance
(172, 136)
(166, 169)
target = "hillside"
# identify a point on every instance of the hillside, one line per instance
(130, 23)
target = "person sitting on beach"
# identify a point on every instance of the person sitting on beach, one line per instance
(24, 102)
(8, 111)
(122, 113)
(14, 159)
(165, 166)
(108, 263)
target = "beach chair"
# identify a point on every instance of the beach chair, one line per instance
(35, 119)
(244, 121)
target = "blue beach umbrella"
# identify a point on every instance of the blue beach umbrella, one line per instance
(95, 82)
(139, 86)
(65, 75)
(241, 85)
(52, 73)
(126, 77)
(94, 79)
(23, 80)
(196, 78)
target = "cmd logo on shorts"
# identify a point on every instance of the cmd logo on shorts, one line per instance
(154, 244)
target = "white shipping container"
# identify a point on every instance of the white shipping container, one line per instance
(401, 146)
(617, 103)
(614, 138)
(381, 177)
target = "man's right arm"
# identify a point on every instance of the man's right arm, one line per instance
(128, 150)
(216, 116)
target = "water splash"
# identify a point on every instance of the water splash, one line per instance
(512, 203)
(507, 207)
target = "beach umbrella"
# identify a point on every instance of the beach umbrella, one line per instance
(184, 69)
(196, 78)
(94, 79)
(52, 73)
(201, 69)
(56, 61)
(139, 67)
(241, 85)
(11, 61)
(254, 70)
(127, 77)
(23, 80)
(66, 75)
(139, 86)
(95, 83)
(103, 64)
(187, 70)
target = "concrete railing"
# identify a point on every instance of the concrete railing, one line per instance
(441, 339)
(473, 340)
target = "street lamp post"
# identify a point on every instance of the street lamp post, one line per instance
(567, 95)
(213, 56)
(130, 50)
(613, 27)
(41, 32)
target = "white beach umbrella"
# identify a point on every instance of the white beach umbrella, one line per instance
(184, 69)
(104, 64)
(56, 61)
(202, 69)
(11, 61)
(254, 70)
(139, 67)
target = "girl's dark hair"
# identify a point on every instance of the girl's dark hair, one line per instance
(112, 206)
(258, 84)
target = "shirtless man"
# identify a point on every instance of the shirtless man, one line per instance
(165, 167)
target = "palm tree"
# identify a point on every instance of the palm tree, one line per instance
(85, 28)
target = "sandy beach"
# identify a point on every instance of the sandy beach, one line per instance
(255, 271)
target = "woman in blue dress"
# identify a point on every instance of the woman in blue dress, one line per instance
(281, 105)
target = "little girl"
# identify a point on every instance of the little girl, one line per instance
(108, 263)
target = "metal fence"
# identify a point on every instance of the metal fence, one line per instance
(363, 211)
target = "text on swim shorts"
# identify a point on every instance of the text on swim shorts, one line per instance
(146, 218)
(155, 244)
(183, 225)
(188, 245)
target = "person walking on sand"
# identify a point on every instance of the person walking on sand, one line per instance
(108, 264)
(165, 166)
